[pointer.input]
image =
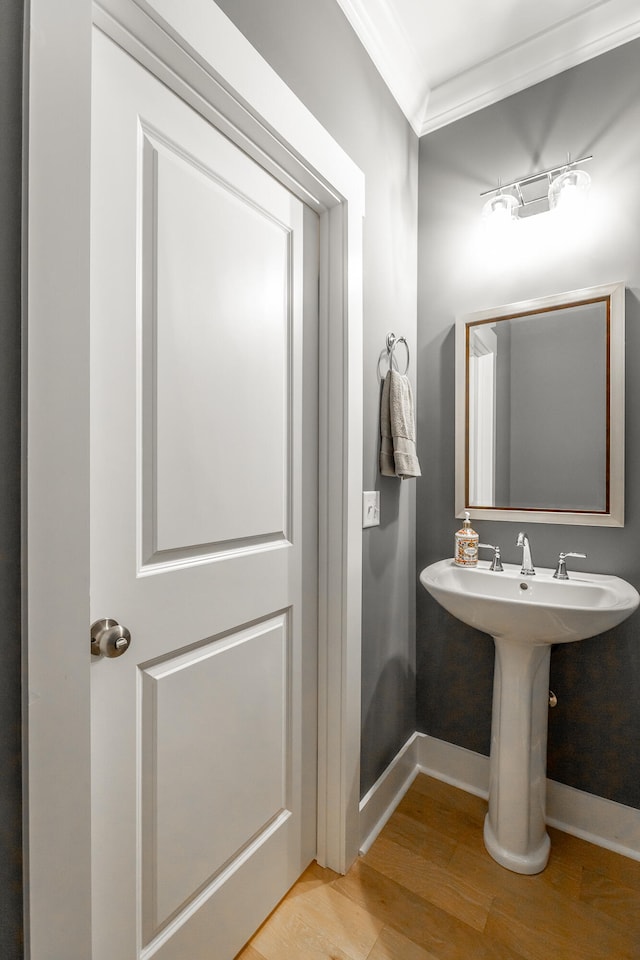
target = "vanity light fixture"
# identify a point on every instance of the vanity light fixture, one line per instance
(562, 188)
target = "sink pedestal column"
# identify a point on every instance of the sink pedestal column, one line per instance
(514, 829)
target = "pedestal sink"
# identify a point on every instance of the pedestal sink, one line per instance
(525, 615)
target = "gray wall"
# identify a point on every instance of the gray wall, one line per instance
(11, 15)
(594, 732)
(312, 47)
(558, 422)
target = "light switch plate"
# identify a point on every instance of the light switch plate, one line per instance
(371, 508)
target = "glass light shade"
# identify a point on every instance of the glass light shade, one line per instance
(500, 211)
(569, 191)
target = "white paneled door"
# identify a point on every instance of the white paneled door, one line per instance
(203, 530)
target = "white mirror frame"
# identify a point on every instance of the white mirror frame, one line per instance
(615, 516)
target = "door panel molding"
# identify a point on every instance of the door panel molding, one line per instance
(177, 517)
(196, 51)
(197, 686)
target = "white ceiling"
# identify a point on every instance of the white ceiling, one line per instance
(444, 59)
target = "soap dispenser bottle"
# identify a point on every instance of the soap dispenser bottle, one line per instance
(466, 545)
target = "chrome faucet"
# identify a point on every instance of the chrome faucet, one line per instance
(527, 570)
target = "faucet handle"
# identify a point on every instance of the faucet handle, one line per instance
(561, 569)
(496, 564)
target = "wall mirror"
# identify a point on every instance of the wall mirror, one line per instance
(540, 410)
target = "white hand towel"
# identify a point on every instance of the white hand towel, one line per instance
(398, 455)
(387, 462)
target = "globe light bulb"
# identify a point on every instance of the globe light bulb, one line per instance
(500, 212)
(569, 192)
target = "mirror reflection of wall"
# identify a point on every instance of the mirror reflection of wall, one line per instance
(483, 391)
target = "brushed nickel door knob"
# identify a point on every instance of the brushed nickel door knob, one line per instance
(109, 638)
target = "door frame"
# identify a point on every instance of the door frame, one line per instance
(181, 43)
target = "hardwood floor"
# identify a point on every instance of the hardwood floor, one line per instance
(427, 890)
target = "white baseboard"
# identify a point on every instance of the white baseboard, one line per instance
(596, 819)
(606, 823)
(381, 800)
(455, 765)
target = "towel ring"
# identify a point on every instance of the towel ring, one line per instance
(392, 342)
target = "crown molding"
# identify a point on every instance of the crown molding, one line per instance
(575, 40)
(567, 45)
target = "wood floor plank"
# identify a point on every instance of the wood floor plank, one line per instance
(476, 868)
(423, 838)
(337, 919)
(313, 878)
(428, 926)
(431, 881)
(613, 898)
(322, 919)
(392, 945)
(288, 937)
(573, 939)
(548, 923)
(450, 797)
(460, 825)
(572, 849)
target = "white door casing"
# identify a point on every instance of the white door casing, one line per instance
(204, 787)
(226, 78)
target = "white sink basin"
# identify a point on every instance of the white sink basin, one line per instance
(524, 615)
(535, 609)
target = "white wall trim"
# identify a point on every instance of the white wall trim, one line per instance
(195, 49)
(458, 766)
(596, 819)
(383, 797)
(57, 824)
